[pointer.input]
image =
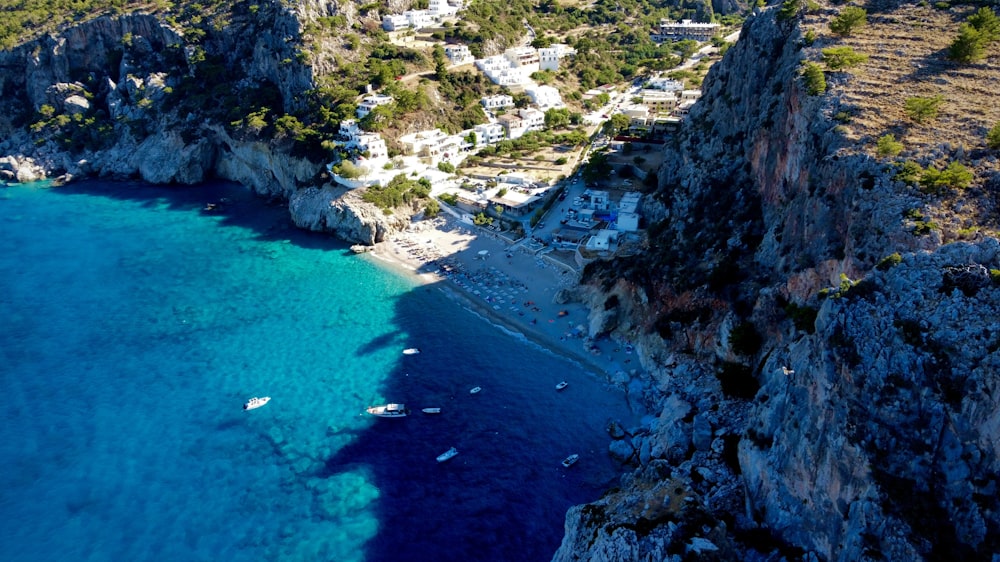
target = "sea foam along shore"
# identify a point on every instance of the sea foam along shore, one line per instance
(508, 285)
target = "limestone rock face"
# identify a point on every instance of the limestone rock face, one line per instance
(859, 426)
(343, 213)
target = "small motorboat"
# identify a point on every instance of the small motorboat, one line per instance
(570, 460)
(447, 454)
(562, 385)
(411, 351)
(431, 410)
(476, 390)
(389, 410)
(256, 402)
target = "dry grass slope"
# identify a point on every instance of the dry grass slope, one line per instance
(908, 57)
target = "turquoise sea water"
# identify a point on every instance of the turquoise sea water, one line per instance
(135, 325)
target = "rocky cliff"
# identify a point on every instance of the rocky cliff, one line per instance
(133, 96)
(822, 365)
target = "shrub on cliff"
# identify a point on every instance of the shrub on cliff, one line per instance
(839, 58)
(921, 109)
(993, 137)
(815, 81)
(969, 46)
(849, 20)
(954, 176)
(887, 145)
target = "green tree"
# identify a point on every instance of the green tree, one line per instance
(921, 110)
(618, 123)
(556, 118)
(888, 146)
(837, 58)
(993, 137)
(849, 20)
(954, 176)
(815, 81)
(986, 21)
(789, 9)
(969, 46)
(440, 63)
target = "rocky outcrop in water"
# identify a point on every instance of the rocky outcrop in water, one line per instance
(342, 212)
(823, 375)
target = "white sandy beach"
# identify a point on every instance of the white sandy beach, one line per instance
(509, 284)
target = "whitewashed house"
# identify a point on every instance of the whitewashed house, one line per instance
(508, 76)
(534, 119)
(548, 57)
(433, 144)
(440, 9)
(498, 101)
(488, 133)
(492, 63)
(545, 97)
(370, 102)
(659, 101)
(665, 84)
(685, 29)
(458, 54)
(523, 57)
(514, 126)
(395, 22)
(419, 19)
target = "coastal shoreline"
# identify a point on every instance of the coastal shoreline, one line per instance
(508, 286)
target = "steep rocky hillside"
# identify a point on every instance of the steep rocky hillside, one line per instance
(823, 367)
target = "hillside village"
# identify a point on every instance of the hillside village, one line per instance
(515, 200)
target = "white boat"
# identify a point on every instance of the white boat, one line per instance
(447, 454)
(256, 402)
(476, 390)
(388, 410)
(568, 461)
(431, 410)
(562, 385)
(411, 351)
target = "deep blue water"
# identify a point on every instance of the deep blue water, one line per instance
(135, 325)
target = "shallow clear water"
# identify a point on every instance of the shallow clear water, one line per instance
(134, 327)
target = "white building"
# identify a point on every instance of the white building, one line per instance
(488, 133)
(419, 18)
(433, 144)
(628, 222)
(523, 57)
(602, 241)
(665, 84)
(395, 22)
(690, 95)
(659, 101)
(630, 202)
(548, 57)
(498, 101)
(441, 9)
(513, 126)
(361, 142)
(493, 63)
(685, 29)
(545, 97)
(458, 54)
(370, 102)
(508, 76)
(534, 119)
